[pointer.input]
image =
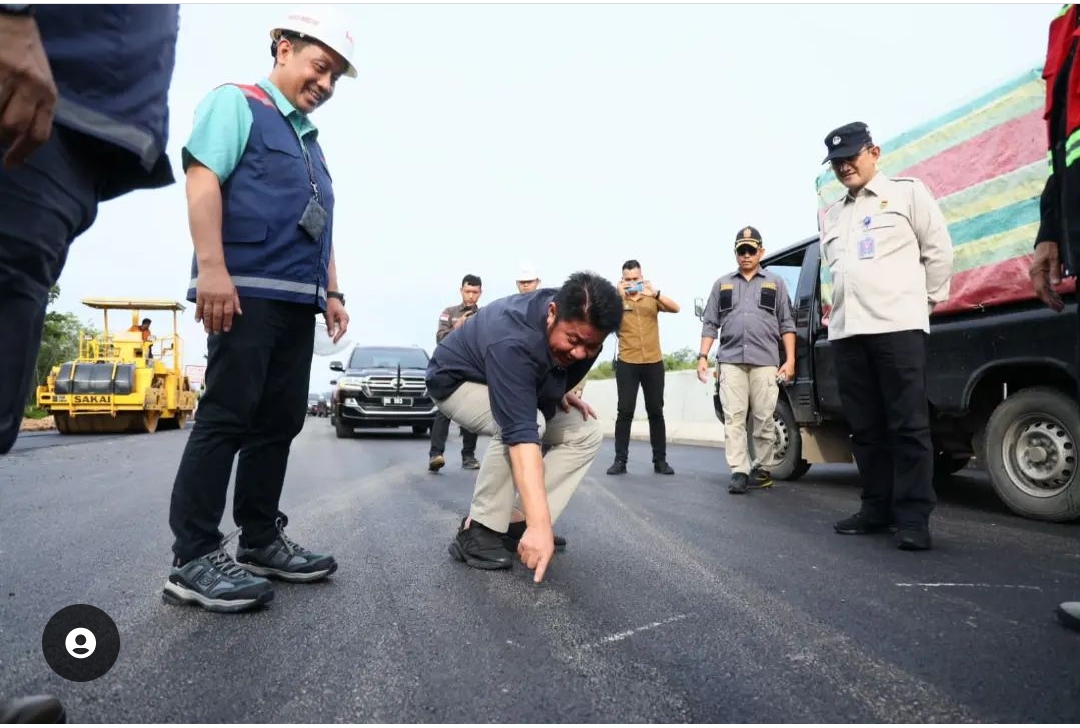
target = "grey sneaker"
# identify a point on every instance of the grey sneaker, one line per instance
(216, 583)
(286, 560)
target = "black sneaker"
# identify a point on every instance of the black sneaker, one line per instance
(285, 559)
(515, 531)
(760, 478)
(480, 547)
(32, 709)
(216, 583)
(617, 468)
(470, 463)
(739, 483)
(861, 524)
(661, 467)
(913, 539)
(435, 463)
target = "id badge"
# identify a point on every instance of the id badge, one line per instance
(867, 248)
(313, 221)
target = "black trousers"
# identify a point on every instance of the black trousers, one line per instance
(882, 383)
(255, 403)
(440, 430)
(44, 205)
(650, 377)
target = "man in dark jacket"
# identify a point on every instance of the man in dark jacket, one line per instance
(83, 119)
(508, 374)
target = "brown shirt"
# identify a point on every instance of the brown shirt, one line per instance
(639, 336)
(449, 317)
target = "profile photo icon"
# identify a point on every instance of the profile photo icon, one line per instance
(80, 643)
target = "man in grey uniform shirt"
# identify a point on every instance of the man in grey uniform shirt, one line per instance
(752, 311)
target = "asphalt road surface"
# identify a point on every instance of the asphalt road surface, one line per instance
(674, 601)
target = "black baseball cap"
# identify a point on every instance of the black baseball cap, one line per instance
(847, 141)
(749, 235)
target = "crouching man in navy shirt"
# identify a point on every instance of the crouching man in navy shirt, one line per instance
(508, 374)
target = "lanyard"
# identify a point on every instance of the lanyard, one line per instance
(310, 170)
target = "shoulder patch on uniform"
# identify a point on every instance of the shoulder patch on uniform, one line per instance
(256, 93)
(444, 316)
(830, 213)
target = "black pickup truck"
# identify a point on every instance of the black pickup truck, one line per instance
(1002, 384)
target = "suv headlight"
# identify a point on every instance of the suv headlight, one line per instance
(360, 383)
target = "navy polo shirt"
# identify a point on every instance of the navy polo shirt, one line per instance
(505, 346)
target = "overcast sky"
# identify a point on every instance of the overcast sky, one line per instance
(575, 136)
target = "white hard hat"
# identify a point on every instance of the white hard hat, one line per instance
(527, 273)
(325, 25)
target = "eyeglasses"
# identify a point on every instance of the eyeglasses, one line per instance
(746, 250)
(837, 163)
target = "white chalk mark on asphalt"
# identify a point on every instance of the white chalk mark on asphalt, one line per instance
(620, 636)
(977, 586)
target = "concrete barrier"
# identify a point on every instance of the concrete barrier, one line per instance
(688, 409)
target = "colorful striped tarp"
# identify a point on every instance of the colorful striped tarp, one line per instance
(986, 163)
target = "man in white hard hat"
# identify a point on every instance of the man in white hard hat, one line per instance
(527, 279)
(261, 210)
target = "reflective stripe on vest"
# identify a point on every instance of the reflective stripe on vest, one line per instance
(272, 284)
(1072, 148)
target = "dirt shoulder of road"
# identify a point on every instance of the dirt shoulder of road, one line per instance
(45, 423)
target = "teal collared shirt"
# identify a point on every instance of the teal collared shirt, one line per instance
(223, 124)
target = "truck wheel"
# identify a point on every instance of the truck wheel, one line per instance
(1031, 442)
(342, 429)
(791, 465)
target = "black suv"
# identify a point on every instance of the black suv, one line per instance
(382, 386)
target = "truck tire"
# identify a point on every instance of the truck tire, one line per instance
(343, 430)
(791, 465)
(1031, 442)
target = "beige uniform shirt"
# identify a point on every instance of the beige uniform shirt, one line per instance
(639, 336)
(890, 255)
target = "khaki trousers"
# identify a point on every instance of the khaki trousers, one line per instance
(572, 441)
(746, 388)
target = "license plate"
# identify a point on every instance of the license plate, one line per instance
(401, 401)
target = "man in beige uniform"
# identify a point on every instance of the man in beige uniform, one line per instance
(640, 363)
(751, 310)
(890, 255)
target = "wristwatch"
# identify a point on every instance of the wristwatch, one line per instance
(20, 9)
(657, 296)
(336, 294)
(703, 356)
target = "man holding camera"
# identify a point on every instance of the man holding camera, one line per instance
(640, 363)
(752, 311)
(453, 317)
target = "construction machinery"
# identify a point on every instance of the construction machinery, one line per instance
(124, 380)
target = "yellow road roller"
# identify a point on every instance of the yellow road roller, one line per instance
(126, 380)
